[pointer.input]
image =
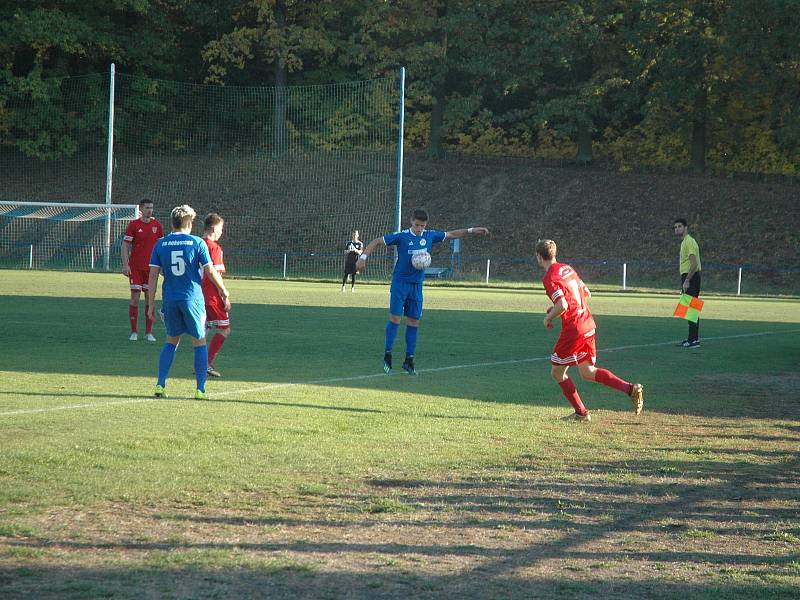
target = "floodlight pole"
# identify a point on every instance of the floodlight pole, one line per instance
(400, 132)
(109, 168)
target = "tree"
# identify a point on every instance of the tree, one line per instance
(580, 78)
(448, 49)
(284, 36)
(680, 48)
(42, 44)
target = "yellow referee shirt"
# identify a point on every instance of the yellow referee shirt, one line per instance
(688, 247)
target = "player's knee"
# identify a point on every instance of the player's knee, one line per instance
(559, 374)
(587, 373)
(394, 319)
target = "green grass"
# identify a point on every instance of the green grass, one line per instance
(309, 472)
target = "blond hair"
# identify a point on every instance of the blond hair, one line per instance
(182, 216)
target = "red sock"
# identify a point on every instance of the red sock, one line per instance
(571, 394)
(215, 346)
(607, 378)
(148, 322)
(133, 314)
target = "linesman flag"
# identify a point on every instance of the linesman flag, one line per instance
(688, 308)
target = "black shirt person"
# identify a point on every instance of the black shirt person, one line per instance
(352, 251)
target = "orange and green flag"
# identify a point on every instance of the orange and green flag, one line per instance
(688, 308)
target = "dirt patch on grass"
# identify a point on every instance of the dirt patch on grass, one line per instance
(772, 395)
(586, 531)
(687, 506)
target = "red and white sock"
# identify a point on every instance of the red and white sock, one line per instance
(133, 314)
(571, 394)
(608, 379)
(148, 322)
(214, 347)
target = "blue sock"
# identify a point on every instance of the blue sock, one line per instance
(201, 366)
(411, 339)
(165, 363)
(391, 333)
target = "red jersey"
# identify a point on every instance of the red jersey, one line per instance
(215, 250)
(142, 237)
(561, 281)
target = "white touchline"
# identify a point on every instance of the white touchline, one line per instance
(273, 386)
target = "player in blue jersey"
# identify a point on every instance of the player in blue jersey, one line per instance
(182, 258)
(406, 290)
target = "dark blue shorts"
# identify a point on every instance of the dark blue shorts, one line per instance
(185, 316)
(406, 299)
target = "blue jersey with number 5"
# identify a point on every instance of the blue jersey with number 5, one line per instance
(181, 258)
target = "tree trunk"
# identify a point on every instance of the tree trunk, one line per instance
(699, 131)
(279, 138)
(435, 148)
(584, 143)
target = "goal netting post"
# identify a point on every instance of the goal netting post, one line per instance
(292, 170)
(71, 236)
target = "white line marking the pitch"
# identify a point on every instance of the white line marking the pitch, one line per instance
(273, 386)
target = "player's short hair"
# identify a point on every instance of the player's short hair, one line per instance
(182, 216)
(420, 215)
(546, 249)
(681, 221)
(211, 220)
(144, 201)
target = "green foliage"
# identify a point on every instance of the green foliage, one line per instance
(647, 82)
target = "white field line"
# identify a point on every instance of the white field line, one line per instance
(334, 380)
(289, 332)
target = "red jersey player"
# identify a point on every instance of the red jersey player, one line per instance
(137, 246)
(216, 315)
(576, 344)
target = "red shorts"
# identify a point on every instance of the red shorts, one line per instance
(573, 350)
(215, 313)
(139, 278)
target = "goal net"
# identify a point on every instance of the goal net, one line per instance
(77, 237)
(291, 169)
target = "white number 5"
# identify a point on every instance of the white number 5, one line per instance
(178, 263)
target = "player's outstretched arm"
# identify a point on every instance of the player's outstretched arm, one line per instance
(361, 263)
(460, 233)
(216, 279)
(152, 288)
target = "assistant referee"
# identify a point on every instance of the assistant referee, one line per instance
(690, 275)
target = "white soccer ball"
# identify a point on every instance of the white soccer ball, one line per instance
(421, 260)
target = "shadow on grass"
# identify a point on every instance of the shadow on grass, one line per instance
(198, 402)
(484, 356)
(598, 529)
(306, 582)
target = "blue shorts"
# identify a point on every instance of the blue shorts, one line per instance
(406, 299)
(185, 316)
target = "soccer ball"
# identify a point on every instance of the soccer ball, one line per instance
(421, 260)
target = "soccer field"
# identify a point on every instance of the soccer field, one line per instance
(311, 474)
